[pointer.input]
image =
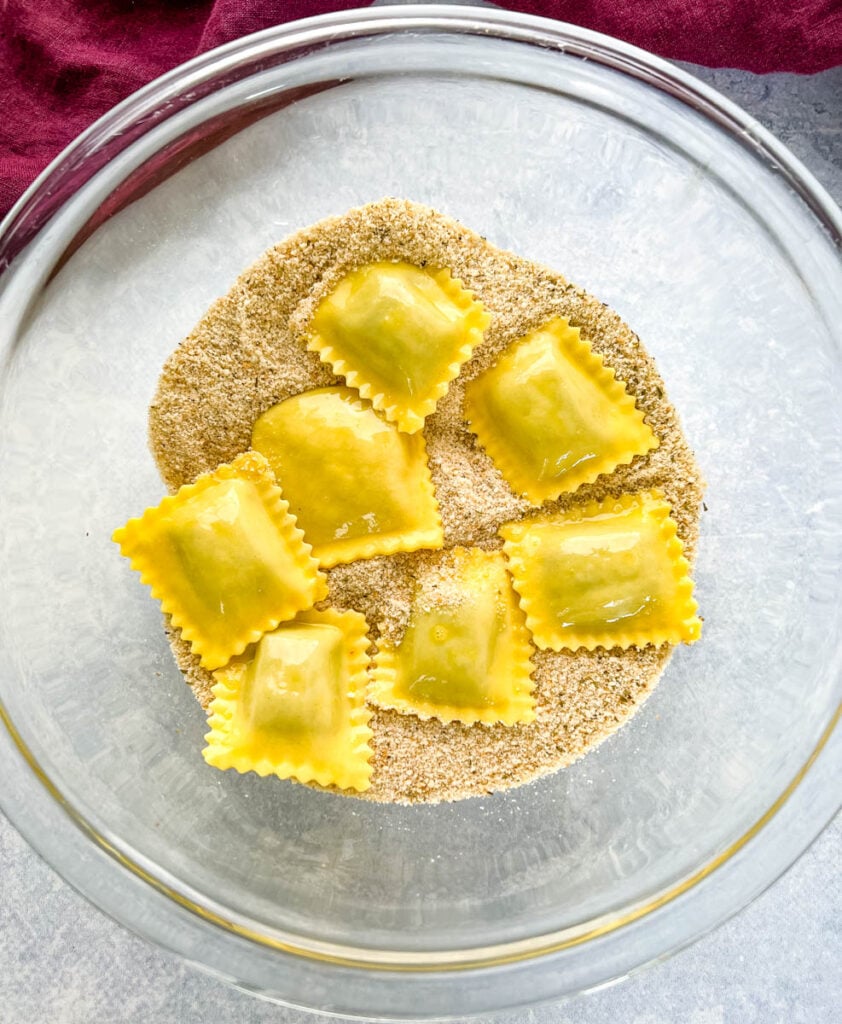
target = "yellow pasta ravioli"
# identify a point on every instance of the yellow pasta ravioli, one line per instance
(465, 655)
(553, 416)
(357, 486)
(398, 334)
(296, 707)
(606, 574)
(225, 559)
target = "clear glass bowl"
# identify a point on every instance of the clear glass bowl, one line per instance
(640, 184)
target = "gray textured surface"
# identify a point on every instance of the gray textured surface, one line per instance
(61, 962)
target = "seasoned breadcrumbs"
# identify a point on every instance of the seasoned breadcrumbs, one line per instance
(247, 354)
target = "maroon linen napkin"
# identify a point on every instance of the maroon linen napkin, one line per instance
(63, 63)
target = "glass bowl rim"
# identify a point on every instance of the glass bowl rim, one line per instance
(343, 27)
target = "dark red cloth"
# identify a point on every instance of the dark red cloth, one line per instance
(63, 63)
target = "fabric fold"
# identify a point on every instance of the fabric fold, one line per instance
(65, 63)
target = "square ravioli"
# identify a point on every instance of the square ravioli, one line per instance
(606, 574)
(552, 416)
(398, 334)
(357, 486)
(225, 559)
(296, 707)
(465, 655)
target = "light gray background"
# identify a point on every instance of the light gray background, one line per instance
(62, 962)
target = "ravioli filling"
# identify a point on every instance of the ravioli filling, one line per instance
(552, 416)
(607, 574)
(465, 653)
(357, 486)
(398, 334)
(225, 558)
(296, 708)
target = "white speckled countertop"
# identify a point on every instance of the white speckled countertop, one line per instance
(778, 962)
